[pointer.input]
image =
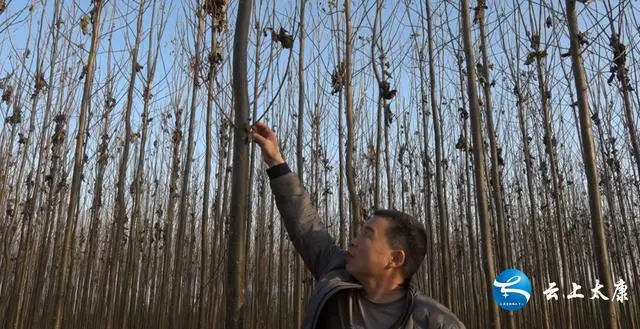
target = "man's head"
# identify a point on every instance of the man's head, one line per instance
(390, 244)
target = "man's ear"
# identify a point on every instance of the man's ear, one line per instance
(398, 258)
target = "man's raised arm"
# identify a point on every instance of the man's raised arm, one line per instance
(307, 232)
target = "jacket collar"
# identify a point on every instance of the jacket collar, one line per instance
(340, 279)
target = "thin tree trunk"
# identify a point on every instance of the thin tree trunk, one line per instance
(78, 166)
(138, 178)
(426, 158)
(549, 142)
(479, 162)
(621, 72)
(16, 287)
(299, 267)
(486, 82)
(341, 213)
(538, 277)
(205, 280)
(496, 179)
(165, 290)
(219, 223)
(52, 180)
(589, 158)
(117, 274)
(32, 202)
(236, 262)
(447, 293)
(376, 35)
(96, 206)
(176, 296)
(356, 217)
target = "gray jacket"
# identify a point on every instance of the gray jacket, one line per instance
(326, 260)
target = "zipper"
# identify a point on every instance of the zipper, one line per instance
(409, 310)
(344, 286)
(328, 295)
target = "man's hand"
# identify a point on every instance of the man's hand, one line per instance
(262, 135)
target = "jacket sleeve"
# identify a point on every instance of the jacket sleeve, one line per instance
(306, 230)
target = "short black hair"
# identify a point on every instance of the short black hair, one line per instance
(407, 234)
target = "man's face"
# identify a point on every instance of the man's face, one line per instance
(369, 254)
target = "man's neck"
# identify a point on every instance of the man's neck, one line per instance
(383, 291)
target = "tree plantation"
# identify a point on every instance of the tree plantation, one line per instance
(131, 195)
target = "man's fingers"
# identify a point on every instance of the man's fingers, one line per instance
(258, 139)
(263, 130)
(260, 124)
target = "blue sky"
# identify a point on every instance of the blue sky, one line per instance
(320, 59)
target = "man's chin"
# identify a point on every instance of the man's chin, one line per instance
(349, 268)
(354, 273)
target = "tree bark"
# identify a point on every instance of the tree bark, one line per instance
(78, 166)
(176, 297)
(354, 199)
(236, 263)
(479, 163)
(117, 272)
(589, 158)
(447, 293)
(205, 280)
(299, 267)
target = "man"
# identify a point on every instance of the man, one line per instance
(368, 285)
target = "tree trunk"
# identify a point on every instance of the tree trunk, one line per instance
(356, 217)
(96, 206)
(447, 293)
(589, 158)
(183, 212)
(425, 157)
(165, 290)
(53, 181)
(496, 179)
(205, 279)
(117, 274)
(78, 166)
(22, 303)
(341, 213)
(236, 263)
(299, 267)
(380, 107)
(136, 245)
(479, 163)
